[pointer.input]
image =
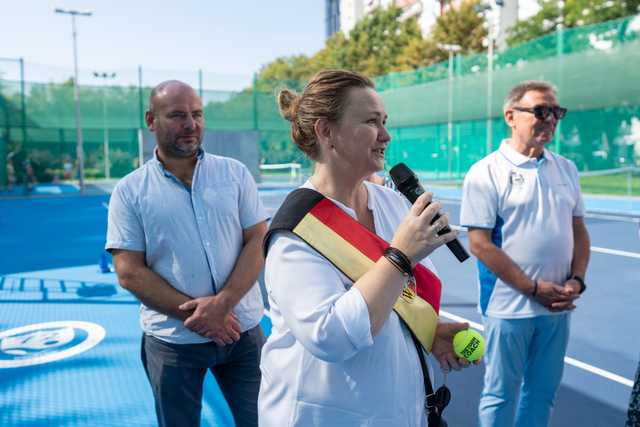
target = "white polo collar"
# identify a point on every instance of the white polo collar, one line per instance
(518, 158)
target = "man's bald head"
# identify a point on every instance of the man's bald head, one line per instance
(176, 116)
(168, 89)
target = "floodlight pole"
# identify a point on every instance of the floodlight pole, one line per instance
(450, 48)
(105, 126)
(490, 92)
(494, 18)
(559, 54)
(76, 92)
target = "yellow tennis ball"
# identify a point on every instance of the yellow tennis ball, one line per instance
(469, 345)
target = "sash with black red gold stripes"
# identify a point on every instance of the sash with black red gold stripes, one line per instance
(353, 249)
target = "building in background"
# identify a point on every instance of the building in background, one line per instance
(346, 13)
(332, 14)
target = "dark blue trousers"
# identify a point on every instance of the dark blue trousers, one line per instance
(176, 374)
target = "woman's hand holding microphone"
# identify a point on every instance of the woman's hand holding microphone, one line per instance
(416, 237)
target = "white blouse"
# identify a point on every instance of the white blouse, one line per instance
(320, 365)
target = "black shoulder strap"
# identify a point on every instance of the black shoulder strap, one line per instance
(295, 206)
(428, 388)
(432, 403)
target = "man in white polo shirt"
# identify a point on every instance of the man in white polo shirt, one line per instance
(186, 231)
(523, 207)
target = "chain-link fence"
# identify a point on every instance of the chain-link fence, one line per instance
(442, 118)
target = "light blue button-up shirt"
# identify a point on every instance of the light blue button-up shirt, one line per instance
(191, 237)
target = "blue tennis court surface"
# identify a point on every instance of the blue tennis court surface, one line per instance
(69, 336)
(40, 189)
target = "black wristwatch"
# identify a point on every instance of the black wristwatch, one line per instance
(580, 280)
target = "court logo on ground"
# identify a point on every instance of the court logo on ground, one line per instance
(47, 342)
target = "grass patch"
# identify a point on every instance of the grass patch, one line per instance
(614, 184)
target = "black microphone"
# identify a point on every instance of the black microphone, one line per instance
(407, 183)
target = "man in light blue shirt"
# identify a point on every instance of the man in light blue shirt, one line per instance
(185, 230)
(523, 207)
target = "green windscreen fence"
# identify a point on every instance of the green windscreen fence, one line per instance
(442, 118)
(596, 70)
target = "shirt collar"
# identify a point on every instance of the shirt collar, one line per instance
(159, 164)
(520, 159)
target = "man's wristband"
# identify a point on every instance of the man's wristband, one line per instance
(535, 288)
(580, 280)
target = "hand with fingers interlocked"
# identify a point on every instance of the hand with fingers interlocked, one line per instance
(213, 319)
(555, 297)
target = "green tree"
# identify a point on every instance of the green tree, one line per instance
(374, 47)
(380, 43)
(333, 55)
(457, 25)
(284, 70)
(420, 53)
(575, 13)
(462, 26)
(376, 43)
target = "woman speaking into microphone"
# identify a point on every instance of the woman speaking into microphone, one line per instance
(353, 296)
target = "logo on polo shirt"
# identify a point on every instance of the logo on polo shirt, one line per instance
(47, 342)
(516, 179)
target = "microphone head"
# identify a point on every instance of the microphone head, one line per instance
(401, 175)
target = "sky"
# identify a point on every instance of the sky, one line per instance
(228, 40)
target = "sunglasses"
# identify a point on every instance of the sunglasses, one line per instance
(543, 112)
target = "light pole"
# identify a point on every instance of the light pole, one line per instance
(493, 17)
(559, 54)
(451, 49)
(492, 36)
(105, 126)
(76, 92)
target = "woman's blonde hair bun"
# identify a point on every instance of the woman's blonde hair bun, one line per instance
(288, 102)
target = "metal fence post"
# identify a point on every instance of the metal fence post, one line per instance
(140, 101)
(23, 103)
(255, 102)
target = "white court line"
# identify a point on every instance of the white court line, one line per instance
(615, 252)
(105, 205)
(568, 360)
(611, 217)
(455, 318)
